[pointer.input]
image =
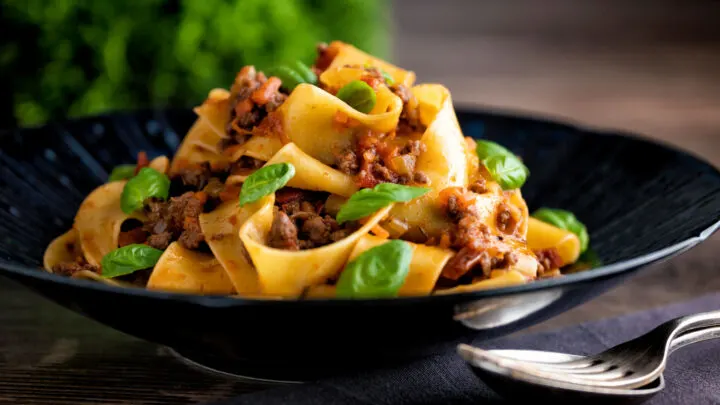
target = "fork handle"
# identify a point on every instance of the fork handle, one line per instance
(694, 336)
(695, 321)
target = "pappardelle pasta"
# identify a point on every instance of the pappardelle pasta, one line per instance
(341, 179)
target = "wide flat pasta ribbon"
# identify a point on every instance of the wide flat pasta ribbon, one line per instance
(194, 151)
(98, 221)
(288, 273)
(541, 235)
(187, 271)
(308, 120)
(310, 174)
(425, 266)
(65, 248)
(221, 228)
(346, 54)
(444, 160)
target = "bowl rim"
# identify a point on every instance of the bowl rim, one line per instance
(225, 301)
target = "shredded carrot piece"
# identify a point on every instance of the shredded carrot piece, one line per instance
(202, 196)
(380, 232)
(243, 107)
(444, 240)
(142, 161)
(230, 193)
(264, 93)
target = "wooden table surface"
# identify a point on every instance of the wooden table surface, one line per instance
(646, 66)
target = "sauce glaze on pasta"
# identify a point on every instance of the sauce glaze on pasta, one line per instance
(345, 125)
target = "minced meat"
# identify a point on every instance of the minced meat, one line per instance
(70, 268)
(549, 260)
(300, 221)
(477, 248)
(382, 158)
(252, 97)
(176, 219)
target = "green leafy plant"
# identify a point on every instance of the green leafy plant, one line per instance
(369, 200)
(378, 272)
(148, 183)
(129, 259)
(504, 167)
(78, 57)
(264, 181)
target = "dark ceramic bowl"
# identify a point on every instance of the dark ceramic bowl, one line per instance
(641, 201)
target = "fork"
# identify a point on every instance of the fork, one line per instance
(629, 365)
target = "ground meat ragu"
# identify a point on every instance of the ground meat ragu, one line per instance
(176, 219)
(381, 158)
(549, 260)
(70, 268)
(300, 221)
(252, 97)
(326, 55)
(477, 247)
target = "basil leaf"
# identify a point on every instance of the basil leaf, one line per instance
(122, 172)
(129, 259)
(264, 181)
(504, 166)
(388, 79)
(370, 200)
(506, 170)
(292, 75)
(376, 273)
(307, 74)
(358, 95)
(565, 220)
(485, 149)
(148, 183)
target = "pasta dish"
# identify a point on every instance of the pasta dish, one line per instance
(341, 179)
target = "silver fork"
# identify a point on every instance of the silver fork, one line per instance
(629, 365)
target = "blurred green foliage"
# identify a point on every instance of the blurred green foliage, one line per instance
(76, 57)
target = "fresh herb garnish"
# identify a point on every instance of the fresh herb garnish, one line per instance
(122, 172)
(369, 200)
(358, 95)
(293, 74)
(146, 184)
(376, 273)
(504, 166)
(129, 259)
(564, 220)
(264, 181)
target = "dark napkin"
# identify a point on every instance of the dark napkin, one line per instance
(692, 375)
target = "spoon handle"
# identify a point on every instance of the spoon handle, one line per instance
(694, 336)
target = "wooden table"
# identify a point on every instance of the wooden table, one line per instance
(643, 65)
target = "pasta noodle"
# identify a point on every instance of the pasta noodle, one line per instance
(344, 179)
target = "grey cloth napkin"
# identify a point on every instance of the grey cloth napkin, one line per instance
(692, 375)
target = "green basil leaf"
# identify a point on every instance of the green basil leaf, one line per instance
(307, 74)
(264, 181)
(358, 95)
(506, 170)
(122, 172)
(565, 220)
(504, 166)
(370, 200)
(378, 272)
(129, 259)
(148, 183)
(388, 79)
(289, 77)
(293, 74)
(485, 149)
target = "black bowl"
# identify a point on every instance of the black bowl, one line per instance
(641, 201)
